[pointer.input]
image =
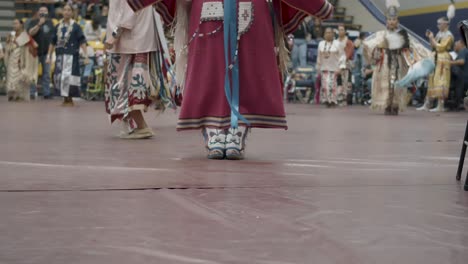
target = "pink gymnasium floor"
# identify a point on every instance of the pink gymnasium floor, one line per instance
(340, 186)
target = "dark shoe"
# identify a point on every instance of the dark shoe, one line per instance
(388, 110)
(68, 102)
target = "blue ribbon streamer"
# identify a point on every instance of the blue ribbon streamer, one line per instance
(230, 47)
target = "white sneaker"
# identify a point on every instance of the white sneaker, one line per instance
(424, 107)
(436, 110)
(439, 108)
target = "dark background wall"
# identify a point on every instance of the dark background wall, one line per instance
(419, 23)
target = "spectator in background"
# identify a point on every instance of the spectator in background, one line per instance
(42, 30)
(59, 13)
(439, 81)
(463, 26)
(317, 30)
(67, 42)
(93, 30)
(331, 60)
(460, 73)
(79, 19)
(50, 4)
(88, 8)
(21, 61)
(85, 8)
(34, 16)
(345, 85)
(302, 36)
(104, 14)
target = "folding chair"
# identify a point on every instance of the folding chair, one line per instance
(462, 158)
(95, 90)
(306, 85)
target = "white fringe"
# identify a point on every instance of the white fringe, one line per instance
(180, 33)
(162, 38)
(283, 52)
(395, 40)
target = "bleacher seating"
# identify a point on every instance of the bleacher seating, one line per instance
(340, 17)
(7, 14)
(25, 9)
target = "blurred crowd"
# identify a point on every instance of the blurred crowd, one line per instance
(41, 29)
(315, 48)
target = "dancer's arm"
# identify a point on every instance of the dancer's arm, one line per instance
(138, 5)
(444, 44)
(318, 8)
(49, 53)
(460, 62)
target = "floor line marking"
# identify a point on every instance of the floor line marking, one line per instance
(89, 167)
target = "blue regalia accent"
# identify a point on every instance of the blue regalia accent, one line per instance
(231, 44)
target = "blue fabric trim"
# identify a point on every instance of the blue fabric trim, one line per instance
(231, 75)
(278, 122)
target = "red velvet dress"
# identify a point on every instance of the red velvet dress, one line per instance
(260, 100)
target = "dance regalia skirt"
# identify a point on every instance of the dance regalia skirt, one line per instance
(67, 75)
(134, 81)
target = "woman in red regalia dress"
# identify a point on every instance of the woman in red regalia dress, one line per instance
(225, 100)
